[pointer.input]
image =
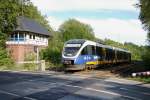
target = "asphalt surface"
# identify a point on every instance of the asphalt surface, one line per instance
(53, 86)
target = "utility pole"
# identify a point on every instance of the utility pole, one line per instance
(37, 54)
(37, 58)
(22, 7)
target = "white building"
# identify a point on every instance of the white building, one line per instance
(28, 36)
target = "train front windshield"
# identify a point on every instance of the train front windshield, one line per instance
(71, 49)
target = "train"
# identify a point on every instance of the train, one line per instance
(80, 54)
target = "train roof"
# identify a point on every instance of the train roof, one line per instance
(109, 47)
(76, 41)
(81, 41)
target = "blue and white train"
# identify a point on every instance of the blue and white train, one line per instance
(81, 54)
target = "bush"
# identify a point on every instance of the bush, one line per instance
(5, 61)
(52, 55)
(146, 57)
(30, 66)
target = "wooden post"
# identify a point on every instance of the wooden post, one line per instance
(42, 67)
(37, 54)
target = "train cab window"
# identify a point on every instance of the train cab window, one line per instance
(84, 51)
(88, 50)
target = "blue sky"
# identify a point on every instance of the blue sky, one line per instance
(101, 14)
(113, 19)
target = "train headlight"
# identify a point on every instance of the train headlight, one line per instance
(67, 62)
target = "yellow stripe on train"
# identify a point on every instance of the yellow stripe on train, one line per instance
(99, 62)
(95, 62)
(92, 63)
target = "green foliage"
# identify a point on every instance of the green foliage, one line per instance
(144, 16)
(2, 40)
(73, 29)
(113, 43)
(146, 57)
(135, 50)
(142, 79)
(30, 66)
(10, 9)
(53, 52)
(99, 41)
(5, 59)
(31, 11)
(8, 13)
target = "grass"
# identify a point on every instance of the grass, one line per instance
(54, 67)
(141, 79)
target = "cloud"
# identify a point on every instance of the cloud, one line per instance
(115, 29)
(109, 26)
(118, 30)
(54, 22)
(85, 5)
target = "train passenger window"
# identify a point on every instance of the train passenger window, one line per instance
(93, 50)
(113, 54)
(108, 54)
(100, 52)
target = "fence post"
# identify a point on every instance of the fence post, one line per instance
(42, 65)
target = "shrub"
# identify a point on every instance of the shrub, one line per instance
(30, 66)
(5, 61)
(146, 58)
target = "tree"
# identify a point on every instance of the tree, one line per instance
(144, 16)
(134, 49)
(2, 40)
(52, 53)
(72, 29)
(10, 9)
(5, 59)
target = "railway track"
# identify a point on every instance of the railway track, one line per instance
(113, 70)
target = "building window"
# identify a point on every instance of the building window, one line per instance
(16, 37)
(30, 36)
(12, 37)
(21, 37)
(40, 37)
(33, 36)
(25, 36)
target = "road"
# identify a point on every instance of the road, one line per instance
(59, 86)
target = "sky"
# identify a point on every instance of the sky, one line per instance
(111, 19)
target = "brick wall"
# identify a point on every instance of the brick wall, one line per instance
(18, 52)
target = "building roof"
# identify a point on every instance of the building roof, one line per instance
(30, 25)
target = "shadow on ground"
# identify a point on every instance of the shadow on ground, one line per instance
(72, 93)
